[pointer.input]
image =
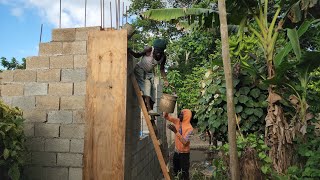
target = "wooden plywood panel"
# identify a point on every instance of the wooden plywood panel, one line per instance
(105, 105)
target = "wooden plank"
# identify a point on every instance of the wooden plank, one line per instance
(105, 105)
(150, 127)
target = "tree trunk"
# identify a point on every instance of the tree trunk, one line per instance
(234, 162)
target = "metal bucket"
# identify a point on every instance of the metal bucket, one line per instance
(167, 103)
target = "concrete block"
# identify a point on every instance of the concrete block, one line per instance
(73, 75)
(61, 89)
(50, 49)
(79, 88)
(44, 158)
(35, 89)
(61, 62)
(60, 117)
(55, 173)
(6, 76)
(82, 33)
(28, 129)
(6, 100)
(72, 102)
(76, 47)
(75, 173)
(76, 145)
(35, 144)
(33, 173)
(65, 34)
(75, 131)
(12, 90)
(80, 61)
(24, 75)
(47, 102)
(69, 159)
(57, 145)
(35, 115)
(79, 116)
(46, 130)
(49, 75)
(37, 62)
(24, 102)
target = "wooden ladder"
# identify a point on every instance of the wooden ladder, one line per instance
(154, 138)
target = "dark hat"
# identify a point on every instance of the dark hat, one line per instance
(160, 44)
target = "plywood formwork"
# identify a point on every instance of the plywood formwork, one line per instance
(106, 105)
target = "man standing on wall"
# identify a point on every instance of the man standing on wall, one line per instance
(182, 130)
(144, 71)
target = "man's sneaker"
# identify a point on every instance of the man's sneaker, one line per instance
(153, 113)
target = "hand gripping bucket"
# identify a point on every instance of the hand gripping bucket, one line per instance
(168, 102)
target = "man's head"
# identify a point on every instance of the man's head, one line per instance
(185, 115)
(159, 46)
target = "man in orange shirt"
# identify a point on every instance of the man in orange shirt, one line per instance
(182, 129)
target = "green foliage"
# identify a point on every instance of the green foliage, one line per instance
(12, 149)
(13, 64)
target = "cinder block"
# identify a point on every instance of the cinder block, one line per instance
(72, 102)
(61, 89)
(79, 116)
(44, 158)
(80, 61)
(75, 131)
(49, 75)
(24, 75)
(61, 62)
(57, 145)
(47, 102)
(35, 89)
(24, 102)
(37, 62)
(75, 173)
(73, 75)
(79, 88)
(69, 160)
(47, 130)
(77, 145)
(65, 34)
(35, 144)
(6, 100)
(50, 49)
(28, 129)
(60, 117)
(12, 90)
(6, 76)
(35, 115)
(82, 33)
(55, 173)
(33, 173)
(76, 47)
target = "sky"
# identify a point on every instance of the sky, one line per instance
(20, 22)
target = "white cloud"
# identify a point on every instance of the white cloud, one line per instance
(18, 12)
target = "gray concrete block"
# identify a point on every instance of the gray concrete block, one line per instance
(7, 100)
(48, 75)
(75, 131)
(50, 49)
(76, 145)
(24, 75)
(80, 61)
(35, 89)
(6, 76)
(35, 115)
(55, 173)
(61, 89)
(44, 158)
(69, 160)
(73, 75)
(37, 62)
(79, 116)
(75, 173)
(47, 130)
(47, 102)
(12, 90)
(35, 144)
(79, 88)
(28, 129)
(82, 33)
(65, 34)
(76, 47)
(33, 173)
(60, 117)
(24, 102)
(57, 145)
(61, 62)
(72, 102)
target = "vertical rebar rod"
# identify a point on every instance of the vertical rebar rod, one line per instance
(41, 32)
(116, 4)
(60, 16)
(101, 13)
(85, 13)
(110, 15)
(122, 13)
(119, 5)
(126, 14)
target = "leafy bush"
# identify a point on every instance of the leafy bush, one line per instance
(12, 149)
